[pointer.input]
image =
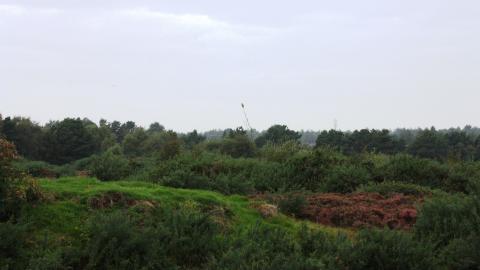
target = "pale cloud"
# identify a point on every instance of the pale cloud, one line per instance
(17, 10)
(205, 26)
(12, 10)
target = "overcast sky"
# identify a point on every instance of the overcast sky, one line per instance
(189, 64)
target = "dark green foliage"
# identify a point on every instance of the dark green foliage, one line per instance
(280, 152)
(262, 248)
(133, 143)
(178, 238)
(12, 246)
(67, 140)
(25, 134)
(111, 165)
(238, 145)
(444, 218)
(429, 144)
(38, 168)
(345, 178)
(155, 127)
(462, 253)
(15, 188)
(387, 249)
(293, 204)
(463, 177)
(192, 138)
(359, 141)
(405, 168)
(277, 134)
(308, 170)
(389, 188)
(209, 171)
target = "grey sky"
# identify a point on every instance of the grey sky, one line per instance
(189, 64)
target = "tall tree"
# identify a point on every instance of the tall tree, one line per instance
(429, 144)
(68, 140)
(277, 134)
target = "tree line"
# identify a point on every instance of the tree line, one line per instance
(61, 142)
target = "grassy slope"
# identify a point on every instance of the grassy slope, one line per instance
(61, 220)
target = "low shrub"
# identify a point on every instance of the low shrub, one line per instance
(179, 238)
(110, 165)
(38, 168)
(444, 218)
(388, 188)
(12, 245)
(388, 249)
(293, 204)
(345, 178)
(409, 169)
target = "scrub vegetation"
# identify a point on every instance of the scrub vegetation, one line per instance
(79, 195)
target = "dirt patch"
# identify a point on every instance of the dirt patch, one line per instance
(117, 199)
(358, 210)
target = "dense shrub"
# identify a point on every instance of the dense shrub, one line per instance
(293, 204)
(12, 244)
(462, 177)
(110, 165)
(409, 169)
(390, 187)
(345, 178)
(308, 169)
(280, 152)
(15, 188)
(387, 249)
(462, 253)
(262, 248)
(444, 218)
(181, 237)
(216, 172)
(38, 168)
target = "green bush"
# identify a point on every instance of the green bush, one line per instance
(169, 238)
(308, 169)
(444, 218)
(463, 177)
(462, 254)
(263, 248)
(387, 249)
(293, 205)
(38, 168)
(109, 166)
(212, 171)
(409, 169)
(12, 245)
(389, 188)
(280, 152)
(345, 178)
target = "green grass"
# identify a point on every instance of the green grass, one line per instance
(64, 215)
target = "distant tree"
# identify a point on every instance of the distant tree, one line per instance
(121, 130)
(277, 134)
(238, 145)
(163, 145)
(25, 134)
(332, 138)
(429, 144)
(133, 143)
(193, 138)
(460, 145)
(66, 141)
(477, 148)
(155, 127)
(230, 133)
